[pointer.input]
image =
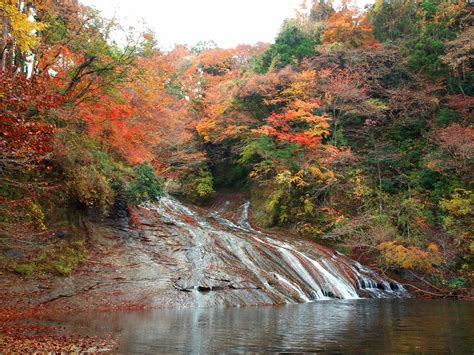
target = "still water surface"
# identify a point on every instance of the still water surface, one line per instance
(378, 326)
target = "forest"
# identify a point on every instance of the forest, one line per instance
(353, 129)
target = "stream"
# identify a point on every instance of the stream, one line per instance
(378, 326)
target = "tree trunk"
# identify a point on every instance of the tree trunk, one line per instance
(4, 43)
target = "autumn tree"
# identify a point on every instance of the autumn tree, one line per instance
(19, 34)
(291, 46)
(393, 19)
(350, 28)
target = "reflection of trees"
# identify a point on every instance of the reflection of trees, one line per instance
(395, 326)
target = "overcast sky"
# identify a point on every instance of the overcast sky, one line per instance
(226, 22)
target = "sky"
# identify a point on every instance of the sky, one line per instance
(226, 22)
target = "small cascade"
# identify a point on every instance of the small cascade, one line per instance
(294, 287)
(367, 281)
(228, 254)
(341, 287)
(244, 216)
(304, 275)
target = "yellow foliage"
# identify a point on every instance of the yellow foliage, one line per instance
(360, 188)
(309, 230)
(433, 248)
(287, 178)
(460, 204)
(298, 180)
(320, 174)
(35, 217)
(350, 28)
(22, 28)
(301, 88)
(204, 128)
(411, 258)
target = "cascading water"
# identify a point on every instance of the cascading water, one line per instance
(227, 254)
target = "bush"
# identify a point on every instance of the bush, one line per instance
(411, 258)
(197, 187)
(93, 175)
(68, 258)
(204, 187)
(24, 269)
(145, 186)
(61, 258)
(457, 282)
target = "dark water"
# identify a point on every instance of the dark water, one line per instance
(378, 326)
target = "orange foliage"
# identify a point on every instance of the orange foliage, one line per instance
(349, 27)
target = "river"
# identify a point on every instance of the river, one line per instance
(377, 326)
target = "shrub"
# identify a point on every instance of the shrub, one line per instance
(410, 258)
(93, 175)
(24, 269)
(204, 185)
(197, 187)
(145, 186)
(61, 258)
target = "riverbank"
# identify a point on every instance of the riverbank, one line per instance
(171, 256)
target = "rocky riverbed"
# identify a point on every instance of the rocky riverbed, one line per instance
(171, 255)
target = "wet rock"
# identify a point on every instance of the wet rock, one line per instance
(54, 296)
(394, 286)
(62, 234)
(13, 254)
(329, 294)
(173, 256)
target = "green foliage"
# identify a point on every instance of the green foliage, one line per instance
(25, 269)
(290, 47)
(457, 282)
(264, 149)
(197, 187)
(145, 185)
(230, 175)
(204, 185)
(412, 219)
(436, 21)
(276, 208)
(254, 105)
(393, 19)
(446, 116)
(425, 54)
(376, 103)
(93, 174)
(61, 258)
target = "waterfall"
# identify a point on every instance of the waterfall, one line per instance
(296, 265)
(266, 266)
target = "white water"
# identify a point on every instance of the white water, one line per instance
(293, 269)
(293, 286)
(344, 289)
(300, 270)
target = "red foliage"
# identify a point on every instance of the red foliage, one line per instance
(461, 103)
(298, 124)
(24, 127)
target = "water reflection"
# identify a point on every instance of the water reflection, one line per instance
(358, 326)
